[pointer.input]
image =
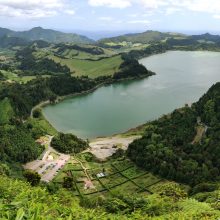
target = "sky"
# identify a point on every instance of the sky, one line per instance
(187, 16)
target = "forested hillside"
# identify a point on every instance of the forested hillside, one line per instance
(39, 33)
(185, 145)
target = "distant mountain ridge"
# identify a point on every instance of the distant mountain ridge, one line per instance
(21, 38)
(52, 36)
(156, 36)
(207, 37)
(145, 37)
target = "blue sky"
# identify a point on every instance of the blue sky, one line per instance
(189, 16)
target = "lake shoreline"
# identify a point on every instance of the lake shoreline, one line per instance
(128, 131)
(62, 98)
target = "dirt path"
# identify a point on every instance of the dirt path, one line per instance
(199, 135)
(103, 148)
(84, 168)
(201, 131)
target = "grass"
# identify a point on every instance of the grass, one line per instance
(93, 69)
(200, 131)
(13, 77)
(6, 111)
(40, 124)
(114, 180)
(74, 54)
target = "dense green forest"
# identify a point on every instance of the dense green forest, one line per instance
(131, 68)
(167, 147)
(18, 145)
(68, 143)
(24, 97)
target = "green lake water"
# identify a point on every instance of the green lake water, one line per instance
(182, 77)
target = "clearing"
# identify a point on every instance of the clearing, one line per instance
(105, 147)
(92, 69)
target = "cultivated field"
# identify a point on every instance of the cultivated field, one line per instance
(92, 177)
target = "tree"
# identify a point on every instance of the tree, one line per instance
(68, 143)
(52, 98)
(68, 182)
(37, 113)
(32, 177)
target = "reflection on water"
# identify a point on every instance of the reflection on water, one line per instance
(182, 77)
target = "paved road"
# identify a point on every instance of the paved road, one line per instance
(48, 168)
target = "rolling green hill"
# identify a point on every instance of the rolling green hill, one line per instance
(48, 35)
(145, 38)
(5, 31)
(6, 41)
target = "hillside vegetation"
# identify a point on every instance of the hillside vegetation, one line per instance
(6, 111)
(145, 37)
(21, 201)
(38, 33)
(93, 69)
(167, 146)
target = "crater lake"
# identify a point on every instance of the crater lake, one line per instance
(181, 78)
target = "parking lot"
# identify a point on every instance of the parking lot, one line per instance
(50, 164)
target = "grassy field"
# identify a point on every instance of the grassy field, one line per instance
(41, 125)
(93, 69)
(77, 54)
(120, 175)
(6, 111)
(13, 77)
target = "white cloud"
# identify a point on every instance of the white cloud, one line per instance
(216, 16)
(167, 6)
(110, 3)
(154, 4)
(34, 8)
(208, 6)
(170, 6)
